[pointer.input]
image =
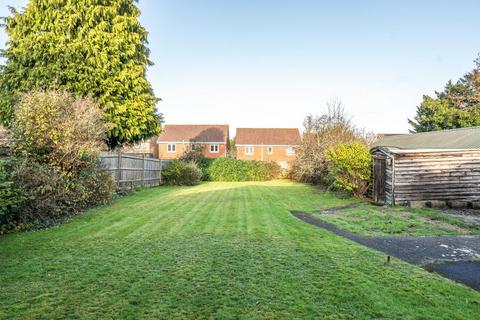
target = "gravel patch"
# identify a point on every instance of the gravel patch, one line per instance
(467, 215)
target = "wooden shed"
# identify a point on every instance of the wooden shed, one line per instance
(436, 168)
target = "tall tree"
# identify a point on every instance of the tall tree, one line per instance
(457, 106)
(93, 48)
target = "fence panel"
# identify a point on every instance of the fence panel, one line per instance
(132, 171)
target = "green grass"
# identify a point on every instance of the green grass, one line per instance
(369, 220)
(217, 250)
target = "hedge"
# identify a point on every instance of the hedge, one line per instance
(229, 169)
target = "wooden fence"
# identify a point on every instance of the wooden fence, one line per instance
(132, 171)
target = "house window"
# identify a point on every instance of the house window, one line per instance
(290, 151)
(269, 150)
(214, 148)
(249, 151)
(171, 148)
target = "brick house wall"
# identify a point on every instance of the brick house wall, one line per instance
(181, 148)
(277, 154)
(184, 136)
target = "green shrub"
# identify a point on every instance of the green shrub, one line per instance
(349, 168)
(50, 195)
(94, 185)
(196, 154)
(182, 173)
(11, 195)
(321, 133)
(56, 139)
(204, 165)
(54, 195)
(228, 169)
(56, 128)
(273, 170)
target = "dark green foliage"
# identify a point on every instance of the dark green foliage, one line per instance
(204, 165)
(11, 195)
(46, 195)
(232, 147)
(50, 193)
(229, 169)
(89, 48)
(95, 186)
(457, 106)
(182, 173)
(196, 155)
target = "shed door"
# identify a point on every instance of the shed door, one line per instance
(379, 173)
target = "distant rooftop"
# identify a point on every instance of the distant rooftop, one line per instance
(268, 136)
(194, 133)
(454, 139)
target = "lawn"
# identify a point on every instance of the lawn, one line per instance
(369, 220)
(217, 250)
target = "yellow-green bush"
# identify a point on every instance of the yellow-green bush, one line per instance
(349, 168)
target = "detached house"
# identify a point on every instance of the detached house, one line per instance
(268, 144)
(176, 139)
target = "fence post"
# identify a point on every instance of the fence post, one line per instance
(119, 168)
(143, 169)
(160, 177)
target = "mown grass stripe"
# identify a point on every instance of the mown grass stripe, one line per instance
(217, 250)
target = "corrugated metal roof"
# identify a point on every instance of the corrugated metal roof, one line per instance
(454, 139)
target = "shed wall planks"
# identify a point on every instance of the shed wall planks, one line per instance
(444, 176)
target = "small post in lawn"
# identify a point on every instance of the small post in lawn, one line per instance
(388, 261)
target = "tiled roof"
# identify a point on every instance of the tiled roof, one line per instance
(268, 136)
(194, 133)
(460, 139)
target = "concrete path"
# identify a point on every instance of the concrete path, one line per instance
(422, 251)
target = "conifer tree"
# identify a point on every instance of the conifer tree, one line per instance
(93, 48)
(457, 106)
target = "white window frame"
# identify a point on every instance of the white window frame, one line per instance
(249, 151)
(171, 148)
(290, 151)
(214, 148)
(270, 150)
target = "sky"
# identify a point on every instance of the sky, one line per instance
(270, 63)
